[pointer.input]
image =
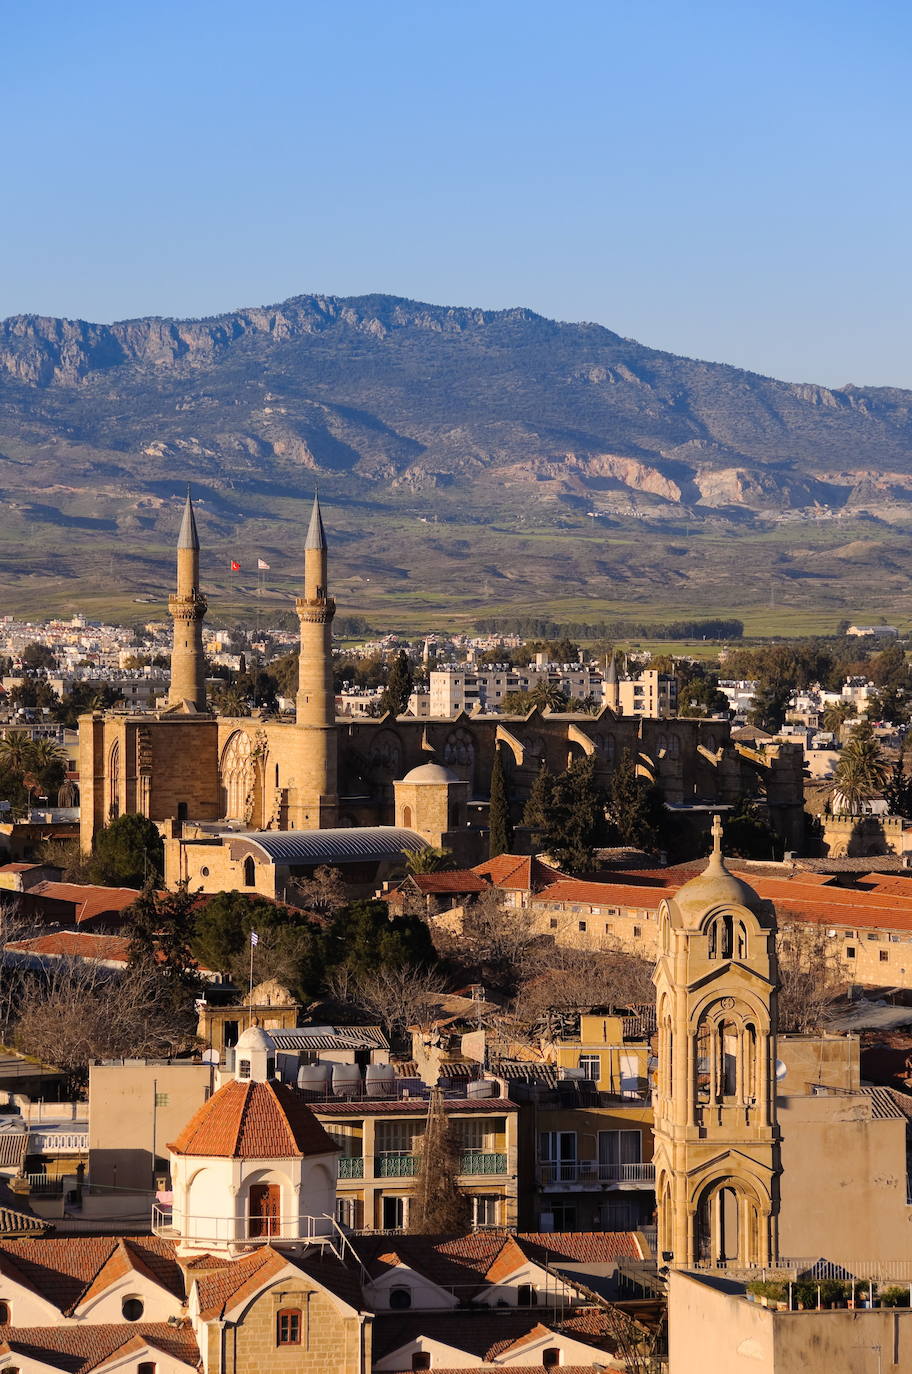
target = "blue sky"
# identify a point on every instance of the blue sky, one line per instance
(730, 181)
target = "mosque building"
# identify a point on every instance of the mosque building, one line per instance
(200, 775)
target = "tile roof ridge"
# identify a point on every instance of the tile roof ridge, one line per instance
(117, 1248)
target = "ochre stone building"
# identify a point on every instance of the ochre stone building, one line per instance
(316, 772)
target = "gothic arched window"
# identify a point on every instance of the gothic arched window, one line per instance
(237, 775)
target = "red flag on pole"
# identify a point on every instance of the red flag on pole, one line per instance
(235, 567)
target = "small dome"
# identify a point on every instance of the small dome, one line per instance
(430, 772)
(255, 1038)
(254, 1121)
(716, 886)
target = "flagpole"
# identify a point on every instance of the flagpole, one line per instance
(250, 986)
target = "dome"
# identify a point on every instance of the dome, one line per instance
(430, 772)
(253, 1039)
(254, 1121)
(716, 886)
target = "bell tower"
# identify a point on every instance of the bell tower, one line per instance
(315, 703)
(716, 1137)
(187, 608)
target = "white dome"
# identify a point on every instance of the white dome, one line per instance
(430, 772)
(255, 1038)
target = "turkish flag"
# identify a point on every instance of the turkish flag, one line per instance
(235, 567)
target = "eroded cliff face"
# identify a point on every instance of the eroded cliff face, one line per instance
(414, 397)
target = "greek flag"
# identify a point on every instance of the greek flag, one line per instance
(254, 938)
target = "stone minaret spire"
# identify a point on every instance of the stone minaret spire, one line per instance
(187, 608)
(315, 702)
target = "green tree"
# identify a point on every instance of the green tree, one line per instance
(747, 834)
(363, 936)
(566, 814)
(398, 689)
(771, 701)
(432, 859)
(291, 948)
(128, 852)
(500, 829)
(38, 656)
(548, 696)
(538, 808)
(861, 772)
(836, 715)
(631, 806)
(516, 703)
(890, 704)
(161, 929)
(898, 790)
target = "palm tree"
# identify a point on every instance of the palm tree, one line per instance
(47, 754)
(548, 695)
(836, 715)
(861, 772)
(430, 860)
(15, 751)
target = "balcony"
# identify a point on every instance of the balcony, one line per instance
(225, 1230)
(351, 1166)
(395, 1164)
(589, 1173)
(483, 1162)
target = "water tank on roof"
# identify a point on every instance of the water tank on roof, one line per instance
(481, 1087)
(346, 1080)
(380, 1080)
(315, 1078)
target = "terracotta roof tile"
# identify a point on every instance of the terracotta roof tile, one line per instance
(456, 880)
(518, 872)
(63, 1270)
(219, 1292)
(487, 1335)
(254, 1121)
(80, 944)
(79, 1349)
(89, 900)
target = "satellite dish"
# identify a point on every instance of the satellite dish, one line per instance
(781, 1070)
(210, 1056)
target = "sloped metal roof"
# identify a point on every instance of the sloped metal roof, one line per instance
(333, 846)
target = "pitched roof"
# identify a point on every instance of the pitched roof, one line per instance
(219, 1292)
(455, 880)
(79, 944)
(88, 899)
(485, 1334)
(254, 1121)
(64, 1270)
(78, 1349)
(519, 872)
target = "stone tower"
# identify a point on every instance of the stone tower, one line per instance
(187, 608)
(316, 764)
(716, 1137)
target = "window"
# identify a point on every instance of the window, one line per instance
(582, 925)
(161, 1099)
(551, 1357)
(288, 1326)
(884, 956)
(526, 1295)
(393, 1209)
(181, 811)
(850, 952)
(265, 1209)
(485, 1210)
(132, 1309)
(249, 872)
(591, 1066)
(400, 1299)
(421, 1360)
(4, 1314)
(637, 932)
(243, 1068)
(204, 872)
(553, 923)
(146, 1367)
(564, 1214)
(607, 927)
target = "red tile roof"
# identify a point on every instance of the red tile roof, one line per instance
(219, 1292)
(456, 880)
(64, 1271)
(78, 944)
(486, 1334)
(89, 901)
(254, 1121)
(518, 872)
(78, 1349)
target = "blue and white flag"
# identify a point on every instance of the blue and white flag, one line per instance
(254, 938)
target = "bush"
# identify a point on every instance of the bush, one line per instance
(772, 1289)
(894, 1296)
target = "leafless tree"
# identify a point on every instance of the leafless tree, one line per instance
(570, 980)
(394, 997)
(811, 977)
(14, 925)
(438, 1206)
(497, 942)
(322, 894)
(77, 1011)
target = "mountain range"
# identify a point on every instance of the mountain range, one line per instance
(473, 460)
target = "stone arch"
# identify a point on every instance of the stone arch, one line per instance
(237, 775)
(730, 1218)
(113, 798)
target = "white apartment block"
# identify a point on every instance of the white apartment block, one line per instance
(462, 687)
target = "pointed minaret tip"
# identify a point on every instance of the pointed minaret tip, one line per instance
(188, 537)
(316, 535)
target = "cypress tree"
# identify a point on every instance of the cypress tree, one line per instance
(438, 1206)
(500, 830)
(399, 685)
(537, 811)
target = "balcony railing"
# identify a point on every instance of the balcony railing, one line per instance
(47, 1184)
(255, 1229)
(483, 1162)
(590, 1171)
(58, 1142)
(395, 1164)
(351, 1166)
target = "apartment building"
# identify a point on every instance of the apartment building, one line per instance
(463, 687)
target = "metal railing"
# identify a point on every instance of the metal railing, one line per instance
(351, 1166)
(590, 1171)
(57, 1142)
(48, 1185)
(256, 1229)
(483, 1162)
(395, 1164)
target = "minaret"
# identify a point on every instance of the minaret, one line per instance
(612, 693)
(716, 1136)
(187, 608)
(315, 703)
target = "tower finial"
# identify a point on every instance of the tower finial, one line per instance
(316, 535)
(717, 838)
(188, 537)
